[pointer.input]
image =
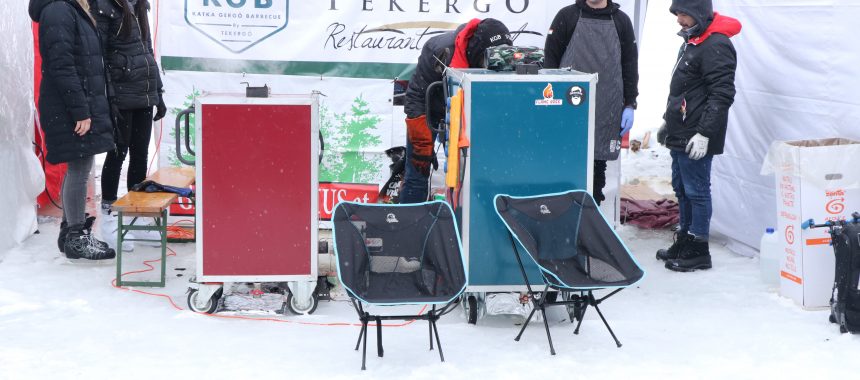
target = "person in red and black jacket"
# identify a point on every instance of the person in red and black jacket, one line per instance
(464, 47)
(696, 118)
(595, 36)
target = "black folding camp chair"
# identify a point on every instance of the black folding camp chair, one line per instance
(575, 248)
(398, 255)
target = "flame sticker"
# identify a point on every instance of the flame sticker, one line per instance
(548, 97)
(547, 92)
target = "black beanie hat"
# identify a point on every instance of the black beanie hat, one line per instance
(490, 32)
(700, 10)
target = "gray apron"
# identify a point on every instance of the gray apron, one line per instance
(596, 48)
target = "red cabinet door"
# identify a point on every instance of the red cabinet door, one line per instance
(255, 194)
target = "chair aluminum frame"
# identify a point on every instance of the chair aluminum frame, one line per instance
(577, 302)
(434, 314)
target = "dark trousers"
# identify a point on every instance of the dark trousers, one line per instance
(133, 136)
(415, 184)
(691, 180)
(74, 191)
(599, 181)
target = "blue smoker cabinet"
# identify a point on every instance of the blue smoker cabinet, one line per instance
(529, 134)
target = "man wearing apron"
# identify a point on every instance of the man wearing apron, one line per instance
(595, 36)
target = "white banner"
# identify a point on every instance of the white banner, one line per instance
(350, 50)
(335, 31)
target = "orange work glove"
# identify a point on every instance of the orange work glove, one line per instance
(422, 143)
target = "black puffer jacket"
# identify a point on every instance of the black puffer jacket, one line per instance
(429, 70)
(477, 36)
(73, 81)
(136, 82)
(703, 83)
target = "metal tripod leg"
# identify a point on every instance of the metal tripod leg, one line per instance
(534, 309)
(360, 334)
(364, 348)
(379, 350)
(617, 343)
(582, 318)
(438, 344)
(430, 326)
(546, 325)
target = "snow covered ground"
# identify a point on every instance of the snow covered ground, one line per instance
(61, 320)
(66, 321)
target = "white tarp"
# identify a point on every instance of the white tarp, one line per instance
(797, 79)
(21, 176)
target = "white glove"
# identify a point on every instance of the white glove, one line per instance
(697, 147)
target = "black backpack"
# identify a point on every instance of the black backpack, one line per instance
(845, 301)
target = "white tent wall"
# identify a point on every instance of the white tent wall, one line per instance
(797, 78)
(21, 176)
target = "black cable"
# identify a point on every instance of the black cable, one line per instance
(449, 308)
(42, 155)
(430, 177)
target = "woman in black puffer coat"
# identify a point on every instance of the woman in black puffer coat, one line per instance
(73, 111)
(134, 90)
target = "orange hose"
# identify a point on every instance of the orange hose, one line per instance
(150, 268)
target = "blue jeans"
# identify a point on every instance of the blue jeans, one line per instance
(415, 184)
(691, 180)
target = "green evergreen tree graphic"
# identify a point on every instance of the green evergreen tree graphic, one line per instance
(171, 156)
(347, 138)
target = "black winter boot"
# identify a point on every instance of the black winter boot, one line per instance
(681, 238)
(61, 240)
(695, 255)
(64, 230)
(80, 244)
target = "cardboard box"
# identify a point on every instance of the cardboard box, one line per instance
(820, 180)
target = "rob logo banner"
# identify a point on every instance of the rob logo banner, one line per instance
(237, 24)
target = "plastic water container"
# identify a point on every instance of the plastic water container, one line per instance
(769, 252)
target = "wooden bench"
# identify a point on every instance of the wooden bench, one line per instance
(149, 205)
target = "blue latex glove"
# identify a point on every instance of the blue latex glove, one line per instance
(626, 121)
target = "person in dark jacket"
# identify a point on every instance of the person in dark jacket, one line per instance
(73, 112)
(464, 47)
(135, 88)
(700, 94)
(595, 36)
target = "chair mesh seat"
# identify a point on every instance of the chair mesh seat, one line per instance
(575, 248)
(398, 255)
(394, 264)
(569, 239)
(405, 254)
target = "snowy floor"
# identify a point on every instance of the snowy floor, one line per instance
(66, 321)
(60, 320)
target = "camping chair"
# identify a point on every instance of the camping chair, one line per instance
(398, 255)
(575, 248)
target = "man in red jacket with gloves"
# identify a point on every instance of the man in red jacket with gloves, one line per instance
(464, 47)
(696, 118)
